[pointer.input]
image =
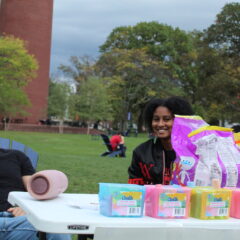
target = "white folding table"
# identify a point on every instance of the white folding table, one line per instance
(79, 214)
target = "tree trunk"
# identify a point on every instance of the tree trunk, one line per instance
(88, 128)
(6, 122)
(4, 125)
(140, 121)
(61, 126)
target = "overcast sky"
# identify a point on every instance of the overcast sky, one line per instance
(81, 26)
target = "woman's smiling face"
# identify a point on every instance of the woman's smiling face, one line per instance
(162, 122)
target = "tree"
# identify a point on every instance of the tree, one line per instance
(134, 77)
(59, 93)
(225, 32)
(171, 52)
(159, 40)
(79, 70)
(58, 101)
(91, 101)
(17, 68)
(224, 37)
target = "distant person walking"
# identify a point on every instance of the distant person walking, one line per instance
(96, 124)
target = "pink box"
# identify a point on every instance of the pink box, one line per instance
(166, 201)
(235, 202)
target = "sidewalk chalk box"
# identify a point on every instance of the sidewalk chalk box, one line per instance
(121, 200)
(209, 203)
(235, 202)
(165, 201)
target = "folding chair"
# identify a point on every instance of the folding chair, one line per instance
(18, 146)
(110, 152)
(33, 156)
(4, 143)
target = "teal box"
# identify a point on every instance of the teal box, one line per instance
(121, 200)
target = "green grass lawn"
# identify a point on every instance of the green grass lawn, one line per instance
(78, 156)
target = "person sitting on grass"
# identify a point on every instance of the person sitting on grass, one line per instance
(15, 172)
(117, 143)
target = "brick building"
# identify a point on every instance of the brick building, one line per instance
(31, 20)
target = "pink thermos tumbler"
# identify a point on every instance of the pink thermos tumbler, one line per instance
(47, 184)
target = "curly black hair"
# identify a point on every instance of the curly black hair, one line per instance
(176, 105)
(236, 128)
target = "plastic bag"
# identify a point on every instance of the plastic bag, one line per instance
(218, 156)
(186, 159)
(206, 153)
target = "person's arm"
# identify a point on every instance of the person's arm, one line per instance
(25, 180)
(122, 140)
(134, 171)
(26, 169)
(17, 211)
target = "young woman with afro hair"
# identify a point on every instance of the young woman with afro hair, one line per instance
(152, 160)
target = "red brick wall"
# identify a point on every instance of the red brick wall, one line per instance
(31, 20)
(49, 129)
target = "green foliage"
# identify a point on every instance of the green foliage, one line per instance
(151, 59)
(168, 45)
(58, 100)
(160, 40)
(156, 60)
(17, 68)
(225, 33)
(79, 70)
(134, 77)
(91, 102)
(223, 37)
